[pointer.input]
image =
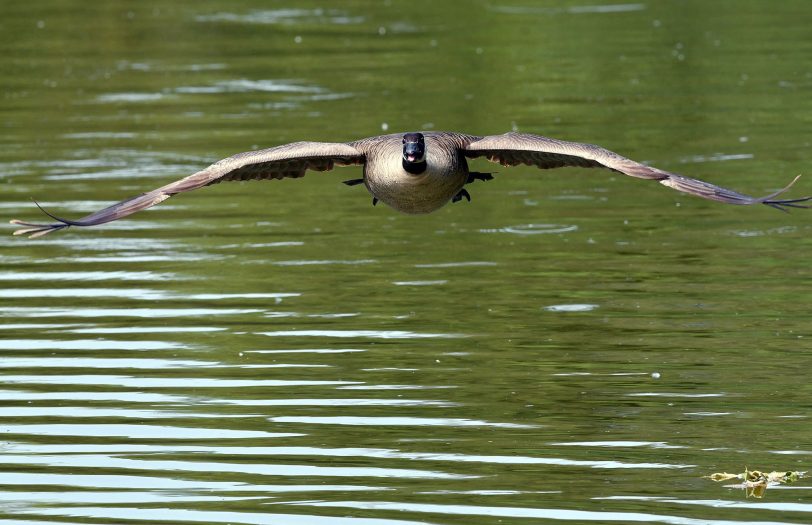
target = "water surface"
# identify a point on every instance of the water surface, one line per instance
(572, 346)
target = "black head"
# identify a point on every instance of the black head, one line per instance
(414, 148)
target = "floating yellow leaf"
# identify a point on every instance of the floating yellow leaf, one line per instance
(755, 482)
(722, 476)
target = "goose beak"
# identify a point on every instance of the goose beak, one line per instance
(414, 152)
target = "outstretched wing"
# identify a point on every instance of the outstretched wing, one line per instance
(289, 160)
(513, 148)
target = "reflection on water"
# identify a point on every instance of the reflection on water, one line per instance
(571, 346)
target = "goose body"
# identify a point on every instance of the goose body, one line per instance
(413, 173)
(387, 180)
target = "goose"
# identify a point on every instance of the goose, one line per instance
(414, 173)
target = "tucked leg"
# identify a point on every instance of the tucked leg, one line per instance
(462, 193)
(475, 175)
(374, 201)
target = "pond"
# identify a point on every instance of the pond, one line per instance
(571, 346)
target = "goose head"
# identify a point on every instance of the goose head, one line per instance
(414, 153)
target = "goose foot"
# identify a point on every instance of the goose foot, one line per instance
(475, 175)
(353, 182)
(462, 193)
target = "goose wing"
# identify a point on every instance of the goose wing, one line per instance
(289, 160)
(513, 148)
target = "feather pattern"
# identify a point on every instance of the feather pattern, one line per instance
(289, 160)
(439, 182)
(514, 148)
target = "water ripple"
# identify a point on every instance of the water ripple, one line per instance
(108, 497)
(142, 329)
(119, 244)
(172, 515)
(652, 444)
(103, 481)
(548, 513)
(673, 394)
(319, 262)
(455, 264)
(129, 397)
(130, 97)
(344, 452)
(90, 276)
(83, 344)
(99, 362)
(147, 313)
(97, 135)
(785, 506)
(533, 229)
(395, 387)
(263, 469)
(96, 412)
(716, 157)
(135, 293)
(394, 421)
(140, 431)
(246, 85)
(285, 16)
(373, 334)
(571, 307)
(336, 402)
(163, 382)
(573, 10)
(307, 351)
(420, 283)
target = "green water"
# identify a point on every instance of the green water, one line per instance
(571, 346)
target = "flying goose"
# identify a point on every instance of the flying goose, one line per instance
(412, 172)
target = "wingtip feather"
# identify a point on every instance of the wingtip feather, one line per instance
(35, 230)
(782, 204)
(782, 190)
